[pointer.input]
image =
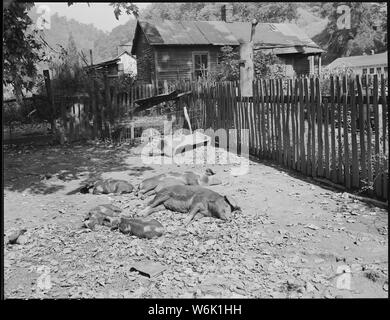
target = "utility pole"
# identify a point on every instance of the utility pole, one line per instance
(246, 64)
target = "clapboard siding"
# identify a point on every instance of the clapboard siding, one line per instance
(176, 62)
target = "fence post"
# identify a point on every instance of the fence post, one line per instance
(107, 99)
(50, 98)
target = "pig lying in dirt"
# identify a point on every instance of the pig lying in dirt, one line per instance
(141, 228)
(192, 199)
(104, 215)
(154, 184)
(109, 215)
(108, 186)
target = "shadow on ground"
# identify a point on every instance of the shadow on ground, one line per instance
(32, 167)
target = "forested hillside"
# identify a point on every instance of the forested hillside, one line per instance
(86, 36)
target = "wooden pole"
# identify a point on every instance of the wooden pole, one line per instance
(246, 66)
(50, 98)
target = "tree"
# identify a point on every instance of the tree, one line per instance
(243, 11)
(21, 48)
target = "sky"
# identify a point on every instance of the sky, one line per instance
(101, 15)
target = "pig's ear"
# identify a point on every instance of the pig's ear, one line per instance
(232, 202)
(209, 172)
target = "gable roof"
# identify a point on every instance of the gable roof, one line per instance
(360, 61)
(122, 53)
(172, 32)
(103, 64)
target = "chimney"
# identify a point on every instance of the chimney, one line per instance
(227, 12)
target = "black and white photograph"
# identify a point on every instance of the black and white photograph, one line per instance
(195, 151)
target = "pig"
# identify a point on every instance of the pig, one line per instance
(154, 184)
(141, 228)
(192, 200)
(108, 186)
(104, 214)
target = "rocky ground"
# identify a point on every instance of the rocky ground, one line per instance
(292, 239)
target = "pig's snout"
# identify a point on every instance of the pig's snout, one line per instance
(223, 210)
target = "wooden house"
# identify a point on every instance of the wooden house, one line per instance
(365, 64)
(123, 63)
(171, 50)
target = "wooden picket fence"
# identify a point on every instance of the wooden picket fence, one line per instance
(341, 137)
(95, 113)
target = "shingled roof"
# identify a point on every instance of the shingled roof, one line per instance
(360, 61)
(285, 37)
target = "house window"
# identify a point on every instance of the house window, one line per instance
(385, 69)
(200, 64)
(372, 70)
(379, 70)
(364, 71)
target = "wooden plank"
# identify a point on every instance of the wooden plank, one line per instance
(260, 84)
(236, 115)
(309, 120)
(246, 124)
(283, 134)
(309, 128)
(384, 136)
(240, 118)
(267, 119)
(50, 99)
(287, 123)
(256, 118)
(313, 131)
(276, 118)
(369, 136)
(303, 94)
(326, 138)
(294, 106)
(319, 128)
(384, 112)
(355, 159)
(273, 121)
(362, 116)
(256, 102)
(347, 174)
(378, 177)
(333, 131)
(297, 116)
(94, 109)
(278, 124)
(340, 178)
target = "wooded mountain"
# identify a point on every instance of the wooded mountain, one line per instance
(86, 36)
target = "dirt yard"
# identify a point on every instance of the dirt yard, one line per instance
(293, 238)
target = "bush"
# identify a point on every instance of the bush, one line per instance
(266, 65)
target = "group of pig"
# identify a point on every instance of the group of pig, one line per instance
(180, 192)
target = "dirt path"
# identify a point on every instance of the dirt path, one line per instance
(291, 239)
